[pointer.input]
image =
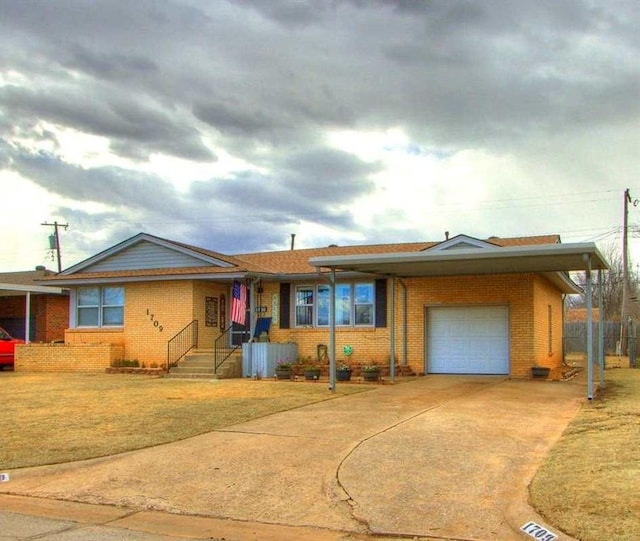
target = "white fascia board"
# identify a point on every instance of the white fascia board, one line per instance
(576, 249)
(32, 289)
(564, 283)
(156, 278)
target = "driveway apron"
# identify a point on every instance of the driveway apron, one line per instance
(441, 456)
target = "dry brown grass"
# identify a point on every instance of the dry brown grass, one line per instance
(588, 486)
(52, 418)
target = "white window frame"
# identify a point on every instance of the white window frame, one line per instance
(312, 306)
(344, 318)
(101, 306)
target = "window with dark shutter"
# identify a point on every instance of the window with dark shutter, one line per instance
(285, 306)
(381, 302)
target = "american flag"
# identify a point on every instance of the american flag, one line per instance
(239, 303)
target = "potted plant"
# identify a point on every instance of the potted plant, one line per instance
(540, 372)
(343, 372)
(283, 370)
(371, 372)
(311, 373)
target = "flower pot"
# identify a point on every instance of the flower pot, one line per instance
(371, 375)
(343, 375)
(282, 373)
(540, 372)
(312, 374)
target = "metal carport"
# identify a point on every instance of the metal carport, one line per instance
(552, 260)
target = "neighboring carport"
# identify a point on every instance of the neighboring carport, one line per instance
(26, 291)
(554, 261)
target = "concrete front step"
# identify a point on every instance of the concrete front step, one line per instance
(199, 364)
(173, 375)
(192, 369)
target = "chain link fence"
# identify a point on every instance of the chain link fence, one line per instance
(575, 338)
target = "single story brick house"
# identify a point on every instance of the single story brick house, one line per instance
(459, 306)
(48, 307)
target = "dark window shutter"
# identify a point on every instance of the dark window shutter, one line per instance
(285, 305)
(381, 302)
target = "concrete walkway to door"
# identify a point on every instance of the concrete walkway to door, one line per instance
(445, 457)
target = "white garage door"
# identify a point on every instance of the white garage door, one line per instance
(468, 340)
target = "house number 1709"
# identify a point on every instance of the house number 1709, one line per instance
(156, 323)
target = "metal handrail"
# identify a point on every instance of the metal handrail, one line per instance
(182, 343)
(220, 351)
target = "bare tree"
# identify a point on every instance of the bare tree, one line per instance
(612, 287)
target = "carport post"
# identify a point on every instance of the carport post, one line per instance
(392, 341)
(27, 319)
(589, 330)
(332, 330)
(600, 329)
(404, 322)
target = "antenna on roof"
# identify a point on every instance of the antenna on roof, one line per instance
(293, 240)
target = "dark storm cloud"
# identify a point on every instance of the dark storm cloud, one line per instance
(235, 120)
(314, 181)
(264, 82)
(248, 211)
(126, 120)
(330, 176)
(114, 66)
(454, 72)
(108, 185)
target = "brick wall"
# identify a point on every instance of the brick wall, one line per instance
(12, 307)
(527, 296)
(548, 324)
(51, 314)
(66, 358)
(202, 290)
(52, 324)
(155, 312)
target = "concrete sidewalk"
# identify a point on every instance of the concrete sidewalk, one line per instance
(441, 457)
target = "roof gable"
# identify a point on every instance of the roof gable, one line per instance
(144, 252)
(460, 242)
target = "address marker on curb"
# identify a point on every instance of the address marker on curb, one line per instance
(4, 477)
(538, 532)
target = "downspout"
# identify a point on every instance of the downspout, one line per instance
(392, 335)
(404, 322)
(27, 319)
(563, 350)
(600, 330)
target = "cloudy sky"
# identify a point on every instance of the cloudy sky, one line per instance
(233, 124)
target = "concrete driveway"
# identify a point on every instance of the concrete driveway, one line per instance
(445, 457)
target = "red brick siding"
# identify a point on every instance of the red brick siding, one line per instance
(51, 314)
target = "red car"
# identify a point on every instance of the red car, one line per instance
(7, 348)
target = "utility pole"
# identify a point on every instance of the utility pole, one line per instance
(624, 309)
(54, 240)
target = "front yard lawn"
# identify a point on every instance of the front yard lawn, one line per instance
(588, 486)
(52, 418)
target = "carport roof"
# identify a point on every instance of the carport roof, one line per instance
(23, 282)
(7, 290)
(549, 259)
